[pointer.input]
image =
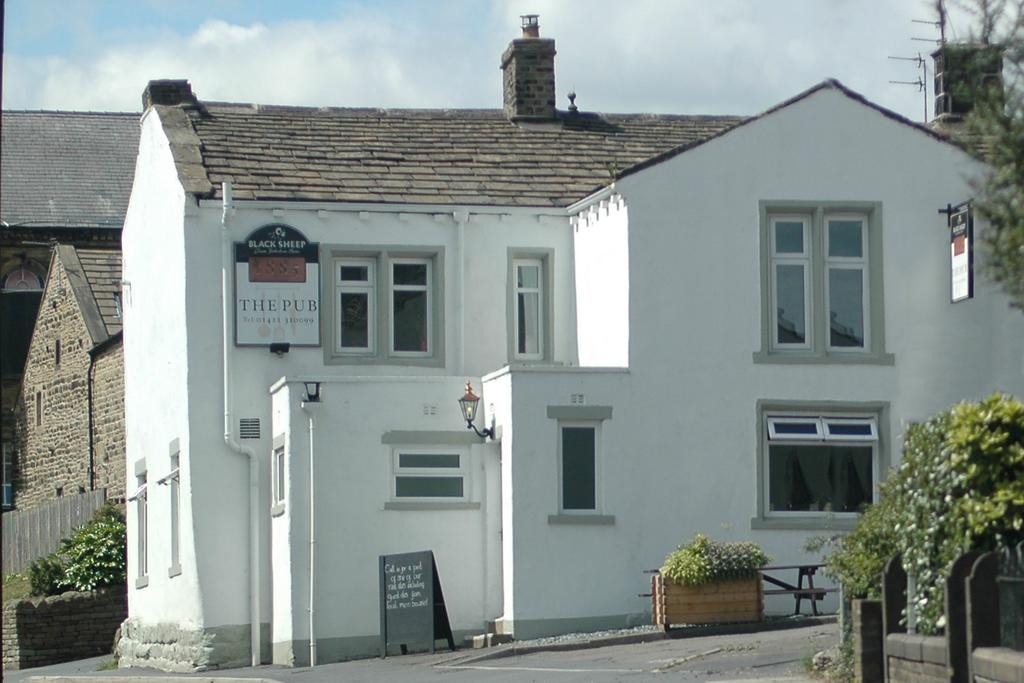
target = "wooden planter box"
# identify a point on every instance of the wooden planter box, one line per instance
(713, 603)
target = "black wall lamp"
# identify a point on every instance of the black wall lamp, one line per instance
(469, 404)
(280, 348)
(312, 392)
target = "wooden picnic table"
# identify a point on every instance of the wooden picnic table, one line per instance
(798, 591)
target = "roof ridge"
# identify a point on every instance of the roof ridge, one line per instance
(70, 112)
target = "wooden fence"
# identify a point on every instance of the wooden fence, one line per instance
(36, 532)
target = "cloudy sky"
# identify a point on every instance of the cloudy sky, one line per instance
(665, 56)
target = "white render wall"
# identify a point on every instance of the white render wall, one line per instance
(356, 516)
(156, 328)
(180, 318)
(601, 251)
(679, 455)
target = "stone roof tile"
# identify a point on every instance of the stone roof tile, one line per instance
(419, 156)
(71, 169)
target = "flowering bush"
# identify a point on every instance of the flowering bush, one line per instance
(959, 487)
(93, 557)
(705, 561)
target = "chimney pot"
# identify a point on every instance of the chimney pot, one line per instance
(168, 92)
(531, 25)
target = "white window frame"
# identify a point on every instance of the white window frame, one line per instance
(394, 289)
(368, 287)
(278, 472)
(462, 471)
(382, 323)
(802, 259)
(517, 289)
(819, 350)
(860, 264)
(823, 437)
(173, 481)
(594, 425)
(140, 497)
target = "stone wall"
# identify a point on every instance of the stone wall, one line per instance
(53, 453)
(867, 640)
(917, 659)
(997, 665)
(185, 647)
(108, 421)
(54, 443)
(61, 628)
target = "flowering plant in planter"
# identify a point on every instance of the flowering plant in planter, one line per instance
(703, 561)
(706, 582)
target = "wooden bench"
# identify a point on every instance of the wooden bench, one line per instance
(799, 591)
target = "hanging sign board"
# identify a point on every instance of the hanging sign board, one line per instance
(277, 288)
(412, 606)
(961, 252)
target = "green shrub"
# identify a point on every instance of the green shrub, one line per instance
(46, 576)
(95, 555)
(91, 558)
(860, 557)
(705, 561)
(959, 487)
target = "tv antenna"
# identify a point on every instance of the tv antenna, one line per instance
(921, 81)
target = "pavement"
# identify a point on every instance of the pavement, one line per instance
(774, 655)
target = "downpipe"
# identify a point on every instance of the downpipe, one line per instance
(254, 473)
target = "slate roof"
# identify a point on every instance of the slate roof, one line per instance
(95, 277)
(467, 157)
(70, 169)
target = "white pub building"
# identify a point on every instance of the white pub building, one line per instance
(677, 324)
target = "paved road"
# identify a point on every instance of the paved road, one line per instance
(763, 657)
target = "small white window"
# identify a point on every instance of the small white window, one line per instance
(794, 428)
(277, 471)
(356, 301)
(529, 312)
(411, 307)
(430, 475)
(578, 471)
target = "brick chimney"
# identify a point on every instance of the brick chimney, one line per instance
(962, 73)
(528, 67)
(169, 92)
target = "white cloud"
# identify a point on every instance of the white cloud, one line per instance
(685, 56)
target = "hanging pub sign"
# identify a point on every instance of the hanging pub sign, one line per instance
(961, 252)
(277, 288)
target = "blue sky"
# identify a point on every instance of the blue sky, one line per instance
(665, 56)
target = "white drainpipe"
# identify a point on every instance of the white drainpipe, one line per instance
(461, 217)
(227, 267)
(309, 408)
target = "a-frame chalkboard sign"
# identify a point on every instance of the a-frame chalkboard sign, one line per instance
(411, 602)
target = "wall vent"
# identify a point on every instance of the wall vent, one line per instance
(249, 428)
(577, 399)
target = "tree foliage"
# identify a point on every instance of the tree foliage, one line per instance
(997, 122)
(959, 487)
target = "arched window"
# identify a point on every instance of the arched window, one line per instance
(22, 279)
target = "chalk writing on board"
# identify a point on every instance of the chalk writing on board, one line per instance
(405, 585)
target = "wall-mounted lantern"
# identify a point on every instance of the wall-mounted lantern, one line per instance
(469, 404)
(312, 392)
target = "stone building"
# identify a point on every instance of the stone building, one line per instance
(70, 413)
(66, 178)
